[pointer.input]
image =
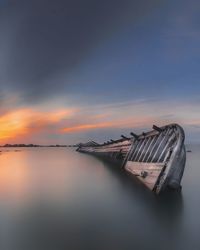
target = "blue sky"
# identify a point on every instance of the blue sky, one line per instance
(124, 67)
(156, 57)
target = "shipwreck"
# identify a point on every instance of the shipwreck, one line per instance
(156, 158)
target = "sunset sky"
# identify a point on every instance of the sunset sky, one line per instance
(74, 70)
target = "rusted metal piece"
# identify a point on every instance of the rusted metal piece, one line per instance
(157, 158)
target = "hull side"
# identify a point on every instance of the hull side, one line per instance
(157, 158)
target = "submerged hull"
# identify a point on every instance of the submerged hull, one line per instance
(156, 158)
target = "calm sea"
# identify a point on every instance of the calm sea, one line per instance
(56, 198)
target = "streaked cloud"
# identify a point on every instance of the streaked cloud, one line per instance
(86, 127)
(63, 124)
(73, 71)
(25, 123)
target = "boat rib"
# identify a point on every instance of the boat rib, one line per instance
(156, 158)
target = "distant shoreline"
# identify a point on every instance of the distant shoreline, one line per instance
(34, 146)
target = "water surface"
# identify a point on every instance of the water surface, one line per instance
(56, 198)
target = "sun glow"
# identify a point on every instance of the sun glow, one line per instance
(13, 124)
(20, 123)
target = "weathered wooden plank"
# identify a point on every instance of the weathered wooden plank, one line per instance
(161, 145)
(154, 146)
(144, 165)
(148, 141)
(152, 140)
(146, 155)
(147, 173)
(168, 144)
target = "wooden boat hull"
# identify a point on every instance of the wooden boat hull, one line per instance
(157, 158)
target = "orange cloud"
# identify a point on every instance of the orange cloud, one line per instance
(23, 122)
(20, 125)
(58, 115)
(113, 123)
(13, 124)
(86, 127)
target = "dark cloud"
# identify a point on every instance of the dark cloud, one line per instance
(41, 38)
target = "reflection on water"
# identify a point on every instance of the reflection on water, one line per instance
(60, 199)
